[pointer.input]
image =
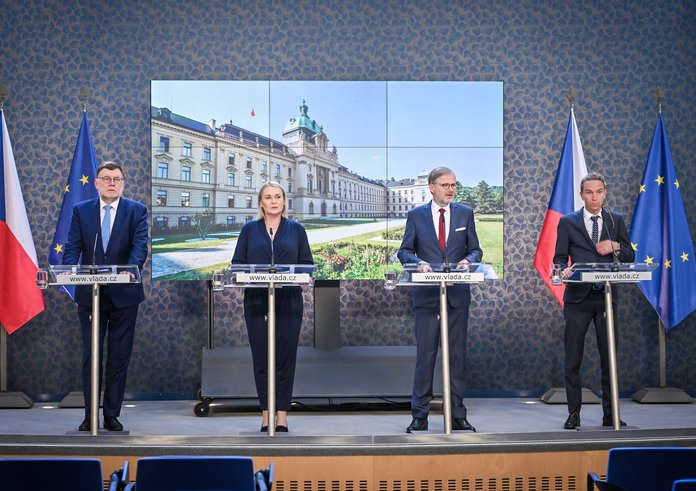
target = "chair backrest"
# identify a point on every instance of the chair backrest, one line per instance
(653, 468)
(684, 485)
(173, 473)
(56, 474)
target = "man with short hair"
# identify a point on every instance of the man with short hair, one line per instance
(438, 232)
(108, 230)
(588, 235)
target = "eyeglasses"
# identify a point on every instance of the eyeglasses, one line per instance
(446, 185)
(109, 180)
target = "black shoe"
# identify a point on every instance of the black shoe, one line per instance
(281, 429)
(606, 421)
(86, 425)
(418, 424)
(572, 422)
(112, 424)
(264, 429)
(461, 424)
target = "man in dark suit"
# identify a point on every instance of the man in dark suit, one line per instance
(589, 235)
(108, 230)
(440, 231)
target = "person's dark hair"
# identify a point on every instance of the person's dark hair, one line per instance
(438, 172)
(109, 165)
(592, 176)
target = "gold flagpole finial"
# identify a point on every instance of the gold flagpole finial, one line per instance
(85, 94)
(572, 96)
(4, 92)
(659, 94)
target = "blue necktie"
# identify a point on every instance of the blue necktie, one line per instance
(106, 226)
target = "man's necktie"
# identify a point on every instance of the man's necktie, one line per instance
(441, 230)
(595, 239)
(106, 226)
(595, 229)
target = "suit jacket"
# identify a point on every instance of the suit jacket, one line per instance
(420, 243)
(574, 243)
(127, 245)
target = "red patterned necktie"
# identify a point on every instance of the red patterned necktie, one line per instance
(441, 230)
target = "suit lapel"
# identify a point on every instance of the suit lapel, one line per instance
(428, 217)
(454, 215)
(118, 222)
(580, 223)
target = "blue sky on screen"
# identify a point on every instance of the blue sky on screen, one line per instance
(380, 129)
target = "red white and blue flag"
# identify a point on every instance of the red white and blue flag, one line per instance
(565, 199)
(20, 298)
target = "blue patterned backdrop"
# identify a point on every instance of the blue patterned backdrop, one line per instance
(614, 53)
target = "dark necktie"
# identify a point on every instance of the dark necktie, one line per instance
(595, 239)
(441, 230)
(595, 229)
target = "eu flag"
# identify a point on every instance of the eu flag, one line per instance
(660, 234)
(80, 187)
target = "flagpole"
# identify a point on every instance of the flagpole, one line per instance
(8, 400)
(661, 394)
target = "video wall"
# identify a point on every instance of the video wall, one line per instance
(353, 158)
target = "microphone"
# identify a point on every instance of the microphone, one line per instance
(272, 268)
(615, 267)
(93, 266)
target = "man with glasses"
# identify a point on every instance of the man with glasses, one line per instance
(108, 230)
(441, 231)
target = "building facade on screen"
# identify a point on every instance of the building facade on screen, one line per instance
(216, 168)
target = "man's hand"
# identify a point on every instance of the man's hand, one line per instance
(424, 267)
(605, 247)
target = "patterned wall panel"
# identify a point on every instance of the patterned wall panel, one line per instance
(613, 53)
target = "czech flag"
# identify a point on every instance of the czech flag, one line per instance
(20, 298)
(565, 199)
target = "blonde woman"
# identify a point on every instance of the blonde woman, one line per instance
(273, 238)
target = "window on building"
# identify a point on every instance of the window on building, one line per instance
(230, 201)
(206, 200)
(277, 167)
(264, 166)
(248, 163)
(161, 223)
(289, 171)
(289, 187)
(248, 182)
(187, 149)
(231, 220)
(206, 153)
(290, 203)
(161, 198)
(185, 198)
(248, 218)
(163, 170)
(230, 159)
(309, 184)
(185, 173)
(164, 144)
(248, 202)
(231, 179)
(205, 176)
(311, 208)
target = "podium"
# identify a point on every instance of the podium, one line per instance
(269, 276)
(608, 273)
(94, 275)
(442, 275)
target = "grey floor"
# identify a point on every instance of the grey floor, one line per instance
(489, 415)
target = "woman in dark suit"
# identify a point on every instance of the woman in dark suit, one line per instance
(273, 238)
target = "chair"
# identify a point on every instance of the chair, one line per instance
(650, 468)
(120, 478)
(684, 485)
(56, 474)
(194, 473)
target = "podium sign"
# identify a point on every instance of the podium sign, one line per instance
(270, 276)
(608, 273)
(443, 275)
(94, 275)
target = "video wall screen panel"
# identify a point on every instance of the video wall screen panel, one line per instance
(353, 158)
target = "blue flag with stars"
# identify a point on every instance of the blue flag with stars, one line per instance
(80, 187)
(660, 235)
